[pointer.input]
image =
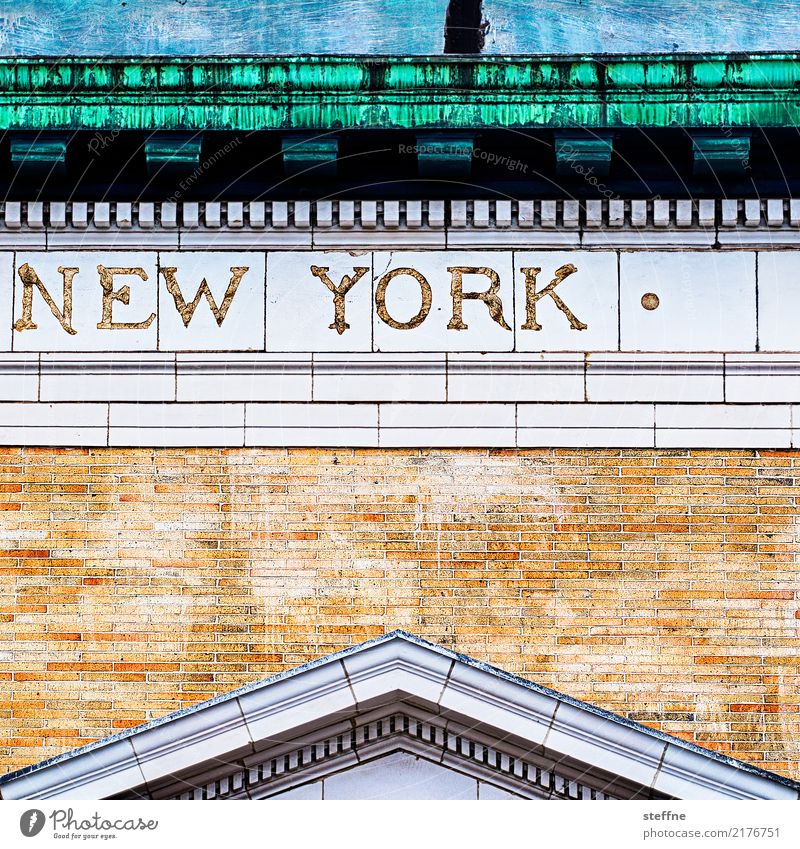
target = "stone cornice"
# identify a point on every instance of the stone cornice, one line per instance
(405, 728)
(395, 667)
(248, 93)
(614, 223)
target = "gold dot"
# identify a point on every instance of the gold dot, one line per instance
(650, 301)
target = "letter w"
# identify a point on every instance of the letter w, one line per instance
(187, 310)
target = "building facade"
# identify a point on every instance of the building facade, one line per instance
(496, 350)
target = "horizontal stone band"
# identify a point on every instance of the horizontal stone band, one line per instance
(411, 214)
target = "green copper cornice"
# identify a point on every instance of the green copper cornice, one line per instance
(321, 93)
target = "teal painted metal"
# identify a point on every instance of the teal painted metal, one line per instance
(317, 154)
(221, 27)
(726, 154)
(445, 155)
(45, 153)
(380, 27)
(591, 151)
(640, 26)
(173, 150)
(330, 93)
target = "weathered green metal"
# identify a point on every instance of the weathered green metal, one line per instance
(173, 150)
(317, 154)
(39, 153)
(721, 154)
(329, 93)
(445, 155)
(590, 150)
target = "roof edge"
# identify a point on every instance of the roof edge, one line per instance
(448, 653)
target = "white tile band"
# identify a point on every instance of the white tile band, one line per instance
(406, 425)
(410, 301)
(624, 222)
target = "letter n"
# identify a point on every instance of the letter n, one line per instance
(30, 281)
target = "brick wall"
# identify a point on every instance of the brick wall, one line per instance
(658, 584)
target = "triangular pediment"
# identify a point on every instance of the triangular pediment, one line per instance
(336, 721)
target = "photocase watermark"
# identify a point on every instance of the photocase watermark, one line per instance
(32, 822)
(570, 155)
(465, 151)
(100, 141)
(739, 137)
(501, 161)
(187, 182)
(65, 825)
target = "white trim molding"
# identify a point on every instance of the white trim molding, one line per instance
(601, 222)
(394, 693)
(502, 400)
(495, 324)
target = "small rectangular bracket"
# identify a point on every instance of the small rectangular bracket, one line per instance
(170, 152)
(727, 154)
(39, 152)
(317, 155)
(445, 154)
(583, 154)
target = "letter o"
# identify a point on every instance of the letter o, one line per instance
(380, 299)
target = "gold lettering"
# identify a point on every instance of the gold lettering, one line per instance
(187, 310)
(532, 297)
(489, 297)
(338, 292)
(123, 295)
(380, 299)
(30, 279)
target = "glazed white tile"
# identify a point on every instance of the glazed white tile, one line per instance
(273, 712)
(591, 293)
(447, 425)
(108, 377)
(707, 301)
(472, 696)
(244, 240)
(515, 377)
(304, 791)
(19, 377)
(87, 302)
(400, 776)
(398, 666)
(490, 792)
(244, 377)
(192, 425)
(596, 739)
(649, 239)
(92, 238)
(654, 377)
(796, 426)
(723, 426)
(300, 425)
(7, 283)
(585, 425)
(53, 424)
(403, 302)
(243, 326)
(512, 237)
(215, 732)
(379, 377)
(357, 238)
(758, 239)
(762, 378)
(300, 307)
(685, 774)
(115, 769)
(31, 239)
(778, 300)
